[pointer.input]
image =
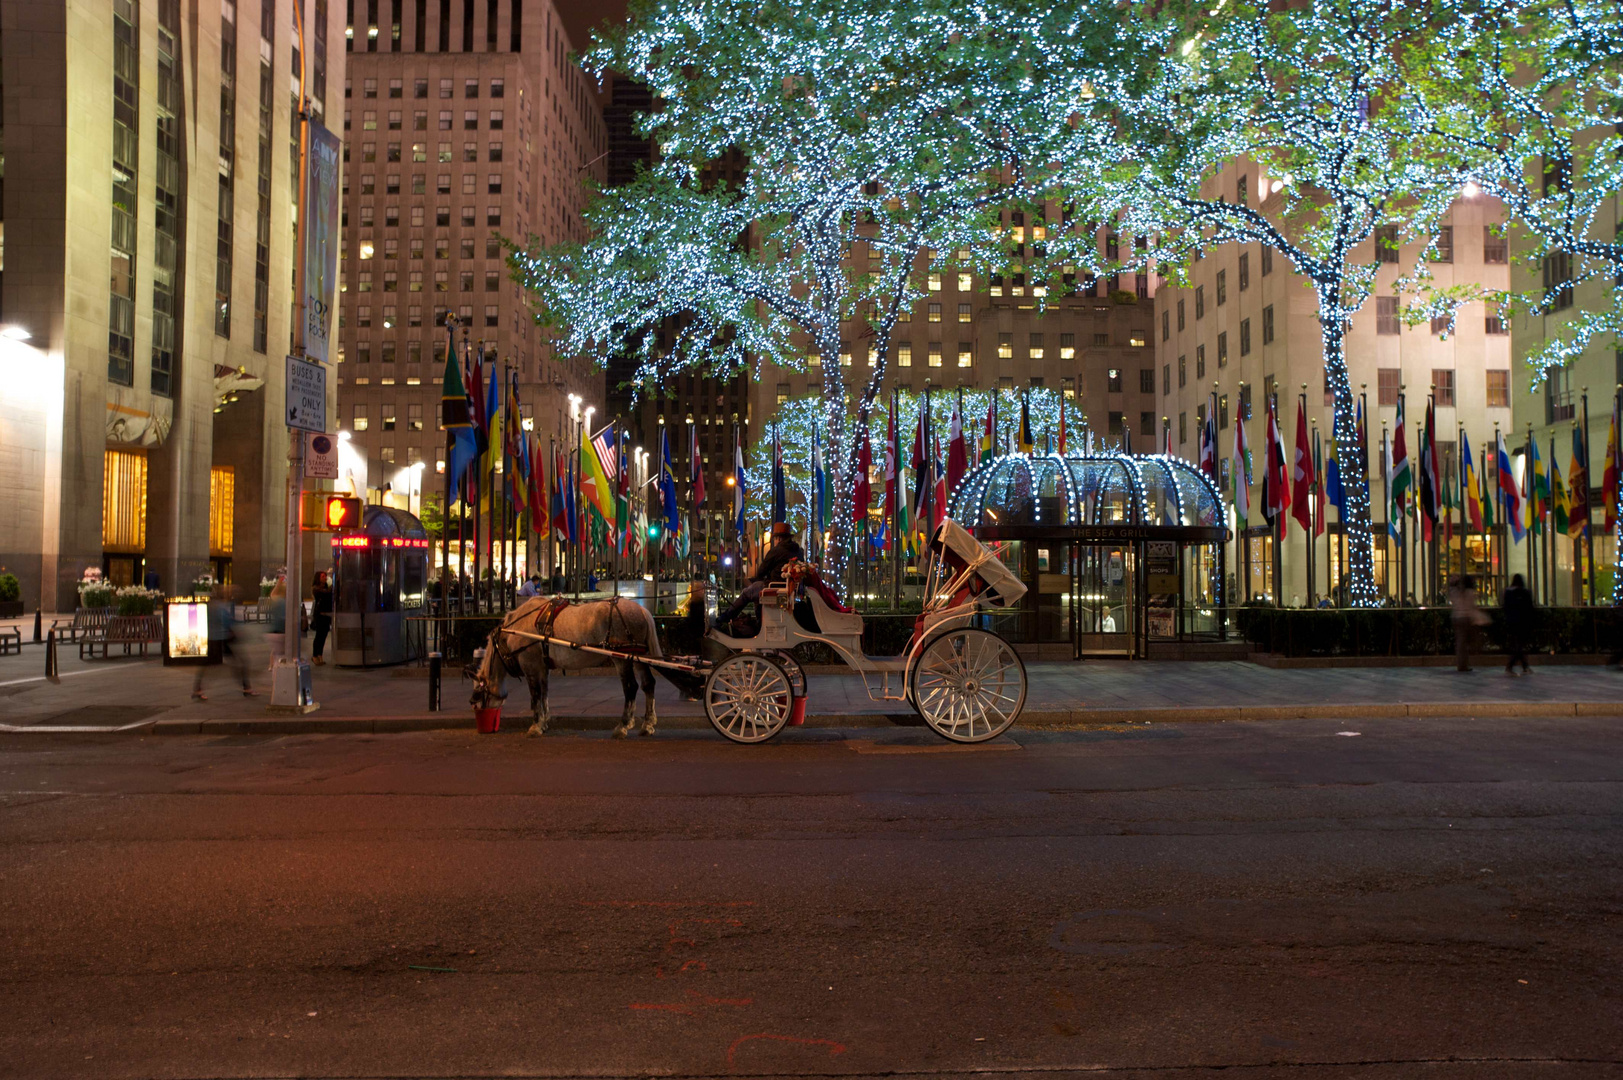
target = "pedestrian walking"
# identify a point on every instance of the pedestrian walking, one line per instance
(222, 635)
(1467, 619)
(1517, 606)
(320, 614)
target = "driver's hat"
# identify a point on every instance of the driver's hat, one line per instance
(781, 528)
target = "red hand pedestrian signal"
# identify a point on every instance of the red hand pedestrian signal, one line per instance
(342, 512)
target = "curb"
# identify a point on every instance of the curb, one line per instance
(1033, 719)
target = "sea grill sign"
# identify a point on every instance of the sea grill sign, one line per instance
(306, 395)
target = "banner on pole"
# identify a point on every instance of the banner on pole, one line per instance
(321, 241)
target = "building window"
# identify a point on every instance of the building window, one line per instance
(1166, 325)
(1180, 314)
(1386, 243)
(934, 313)
(964, 313)
(1268, 325)
(1440, 324)
(1443, 380)
(1495, 248)
(1245, 271)
(1200, 301)
(934, 282)
(904, 355)
(1183, 372)
(1067, 346)
(1498, 388)
(1386, 315)
(1200, 361)
(1166, 379)
(1387, 383)
(386, 415)
(935, 354)
(1267, 257)
(1034, 347)
(1223, 349)
(1183, 428)
(1005, 346)
(966, 282)
(498, 88)
(1146, 380)
(124, 500)
(1222, 287)
(495, 120)
(1067, 386)
(1557, 267)
(1495, 325)
(1245, 337)
(1146, 424)
(966, 354)
(359, 421)
(1444, 245)
(1113, 380)
(1223, 412)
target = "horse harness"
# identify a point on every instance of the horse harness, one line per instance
(544, 620)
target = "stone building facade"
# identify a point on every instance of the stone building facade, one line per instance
(458, 135)
(147, 212)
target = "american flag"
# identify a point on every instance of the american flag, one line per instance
(603, 443)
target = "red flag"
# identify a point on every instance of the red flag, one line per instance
(1610, 475)
(891, 453)
(957, 453)
(864, 492)
(696, 466)
(538, 485)
(938, 508)
(1062, 425)
(1302, 472)
(1278, 500)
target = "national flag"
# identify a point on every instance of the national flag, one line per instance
(892, 452)
(917, 462)
(1428, 476)
(1242, 473)
(780, 484)
(1401, 476)
(571, 504)
(1276, 494)
(1318, 494)
(863, 494)
(1027, 441)
(1507, 487)
(1559, 503)
(1487, 495)
(988, 447)
(1302, 475)
(667, 485)
(596, 488)
(1473, 494)
(493, 444)
(1538, 504)
(684, 538)
(557, 507)
(476, 391)
(819, 514)
(738, 486)
(1166, 439)
(957, 452)
(540, 520)
(1061, 428)
(1208, 442)
(456, 411)
(515, 470)
(695, 465)
(622, 495)
(938, 494)
(1578, 484)
(1333, 489)
(456, 417)
(1611, 473)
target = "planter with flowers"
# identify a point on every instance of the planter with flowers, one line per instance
(11, 597)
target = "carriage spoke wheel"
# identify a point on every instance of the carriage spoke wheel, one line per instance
(748, 697)
(969, 685)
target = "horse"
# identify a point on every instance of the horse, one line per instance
(607, 624)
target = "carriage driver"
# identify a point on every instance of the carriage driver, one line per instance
(784, 550)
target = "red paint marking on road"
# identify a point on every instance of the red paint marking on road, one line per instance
(697, 965)
(833, 1047)
(695, 1002)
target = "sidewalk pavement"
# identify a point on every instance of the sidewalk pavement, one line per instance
(143, 696)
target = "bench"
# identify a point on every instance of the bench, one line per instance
(125, 630)
(85, 621)
(11, 641)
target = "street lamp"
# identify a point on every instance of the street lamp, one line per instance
(14, 333)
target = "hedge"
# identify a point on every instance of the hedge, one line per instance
(1416, 631)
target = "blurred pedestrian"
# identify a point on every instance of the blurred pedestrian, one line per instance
(321, 614)
(222, 635)
(1517, 606)
(1467, 618)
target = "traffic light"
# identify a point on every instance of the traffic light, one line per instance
(653, 532)
(341, 512)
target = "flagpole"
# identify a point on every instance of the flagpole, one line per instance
(1550, 586)
(895, 494)
(1386, 496)
(1589, 516)
(1465, 516)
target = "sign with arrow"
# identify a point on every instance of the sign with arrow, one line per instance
(306, 395)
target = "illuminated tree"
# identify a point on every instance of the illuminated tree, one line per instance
(1528, 97)
(1318, 97)
(890, 127)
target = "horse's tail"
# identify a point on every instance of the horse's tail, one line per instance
(652, 630)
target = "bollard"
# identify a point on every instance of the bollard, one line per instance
(434, 666)
(50, 658)
(38, 621)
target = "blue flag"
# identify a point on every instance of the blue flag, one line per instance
(667, 484)
(738, 486)
(464, 450)
(1332, 483)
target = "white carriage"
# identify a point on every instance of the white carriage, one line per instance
(966, 682)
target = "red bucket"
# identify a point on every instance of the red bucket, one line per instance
(797, 712)
(489, 721)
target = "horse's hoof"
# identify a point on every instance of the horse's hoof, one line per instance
(620, 733)
(536, 730)
(648, 729)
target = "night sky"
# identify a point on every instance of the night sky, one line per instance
(580, 17)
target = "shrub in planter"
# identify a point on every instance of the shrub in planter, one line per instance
(135, 600)
(9, 588)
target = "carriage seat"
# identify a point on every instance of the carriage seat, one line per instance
(831, 622)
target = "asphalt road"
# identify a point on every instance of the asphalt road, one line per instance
(1434, 898)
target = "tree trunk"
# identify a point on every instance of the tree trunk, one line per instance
(1355, 514)
(841, 450)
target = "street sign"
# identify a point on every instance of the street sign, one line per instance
(320, 456)
(306, 395)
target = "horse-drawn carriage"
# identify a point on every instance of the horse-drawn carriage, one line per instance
(964, 681)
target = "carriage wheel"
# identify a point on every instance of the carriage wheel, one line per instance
(748, 697)
(969, 685)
